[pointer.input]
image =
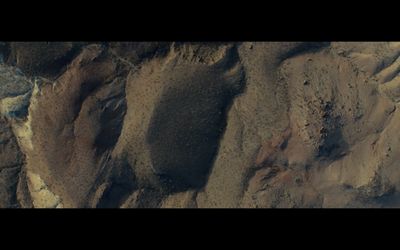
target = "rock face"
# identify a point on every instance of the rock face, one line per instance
(199, 125)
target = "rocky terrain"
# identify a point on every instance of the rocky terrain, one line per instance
(199, 125)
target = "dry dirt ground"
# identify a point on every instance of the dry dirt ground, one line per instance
(169, 124)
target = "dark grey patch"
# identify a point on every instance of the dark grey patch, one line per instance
(122, 183)
(137, 52)
(113, 111)
(332, 145)
(111, 121)
(186, 128)
(303, 48)
(4, 51)
(149, 198)
(9, 177)
(184, 134)
(46, 59)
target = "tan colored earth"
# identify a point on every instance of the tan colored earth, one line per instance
(199, 125)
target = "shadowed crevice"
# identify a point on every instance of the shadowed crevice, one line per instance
(303, 48)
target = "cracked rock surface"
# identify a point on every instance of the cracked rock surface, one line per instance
(199, 125)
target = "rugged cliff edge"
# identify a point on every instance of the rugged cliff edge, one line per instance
(168, 124)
